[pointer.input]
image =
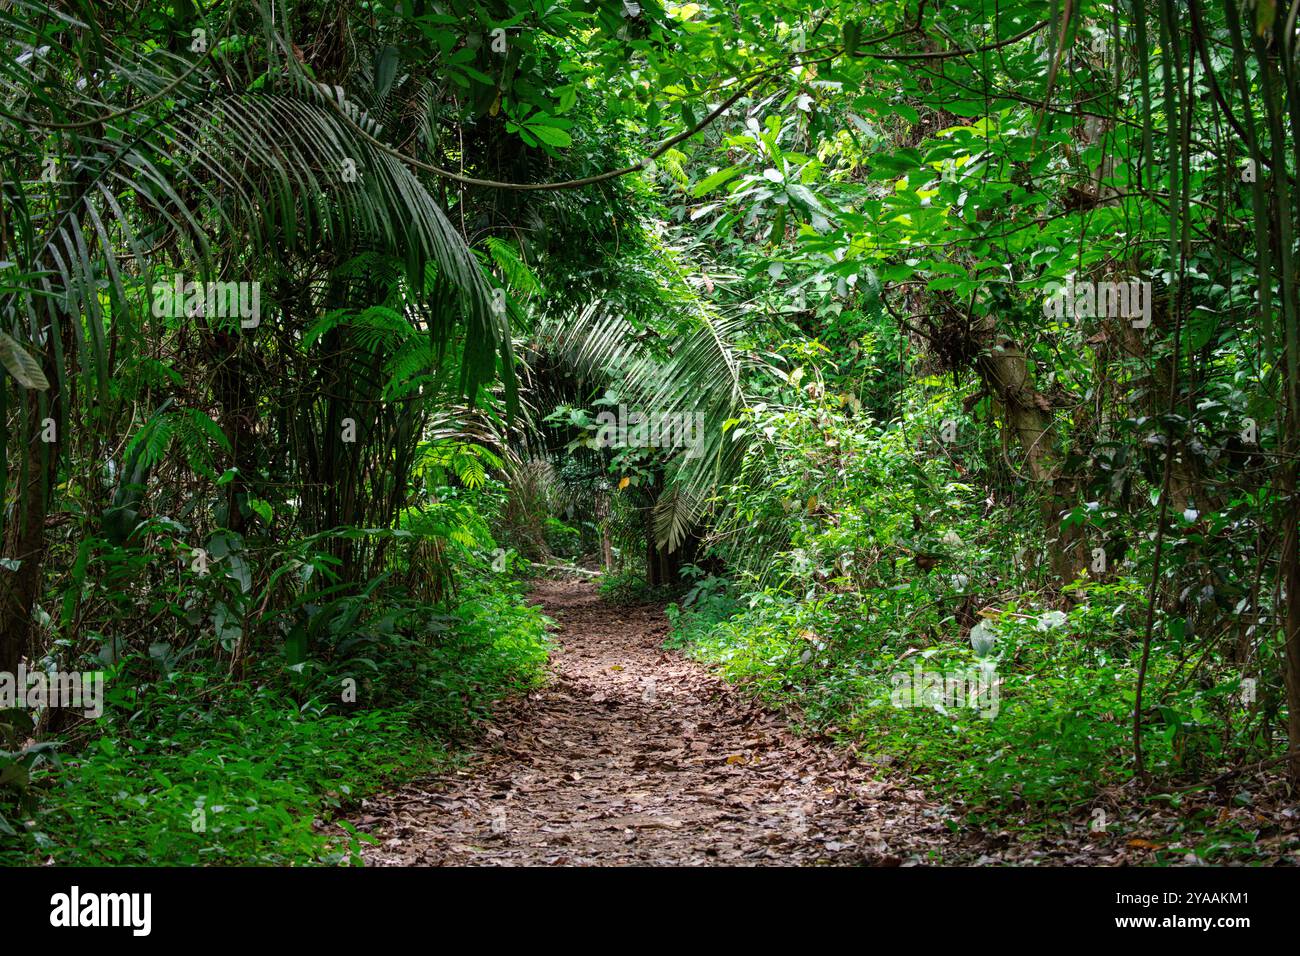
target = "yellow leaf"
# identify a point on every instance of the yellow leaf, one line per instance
(1265, 14)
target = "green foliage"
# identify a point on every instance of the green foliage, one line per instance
(876, 560)
(833, 234)
(628, 586)
(250, 769)
(564, 541)
(191, 767)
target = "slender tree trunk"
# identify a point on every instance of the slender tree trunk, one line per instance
(651, 552)
(1028, 416)
(1289, 572)
(24, 540)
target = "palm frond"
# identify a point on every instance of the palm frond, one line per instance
(277, 168)
(696, 376)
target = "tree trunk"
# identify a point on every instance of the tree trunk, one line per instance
(652, 569)
(1289, 572)
(1028, 416)
(24, 540)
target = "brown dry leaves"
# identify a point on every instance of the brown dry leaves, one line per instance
(634, 755)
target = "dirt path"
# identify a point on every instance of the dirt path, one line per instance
(634, 755)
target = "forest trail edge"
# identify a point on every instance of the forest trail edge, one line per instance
(633, 755)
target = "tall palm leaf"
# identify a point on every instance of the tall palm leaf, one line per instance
(698, 372)
(115, 156)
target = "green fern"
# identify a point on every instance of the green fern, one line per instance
(519, 278)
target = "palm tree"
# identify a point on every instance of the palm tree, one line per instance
(695, 370)
(122, 155)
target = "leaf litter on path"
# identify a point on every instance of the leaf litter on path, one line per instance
(592, 769)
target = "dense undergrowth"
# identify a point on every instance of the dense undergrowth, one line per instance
(194, 767)
(1056, 742)
(846, 616)
(891, 339)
